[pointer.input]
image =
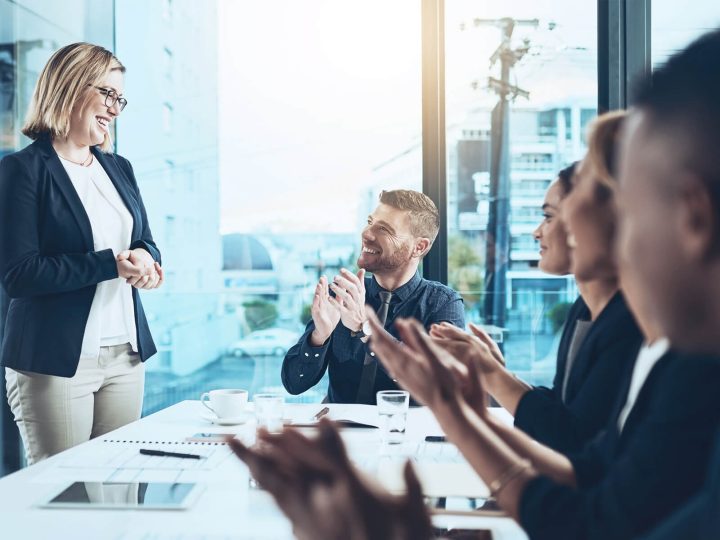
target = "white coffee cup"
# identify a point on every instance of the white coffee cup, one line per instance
(226, 403)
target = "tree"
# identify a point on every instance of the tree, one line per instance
(306, 313)
(260, 314)
(465, 268)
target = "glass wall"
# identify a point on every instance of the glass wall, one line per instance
(30, 31)
(503, 153)
(258, 170)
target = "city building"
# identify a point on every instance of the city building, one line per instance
(169, 132)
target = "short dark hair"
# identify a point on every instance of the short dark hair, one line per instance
(565, 177)
(682, 99)
(424, 215)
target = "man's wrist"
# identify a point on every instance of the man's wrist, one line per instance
(362, 331)
(317, 339)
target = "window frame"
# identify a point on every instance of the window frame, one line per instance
(624, 55)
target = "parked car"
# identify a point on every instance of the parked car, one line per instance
(269, 342)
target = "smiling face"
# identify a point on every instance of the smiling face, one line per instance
(590, 225)
(554, 250)
(91, 119)
(388, 244)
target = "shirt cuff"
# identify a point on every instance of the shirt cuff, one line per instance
(588, 471)
(526, 410)
(108, 264)
(309, 353)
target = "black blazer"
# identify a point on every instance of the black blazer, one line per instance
(629, 482)
(48, 266)
(603, 363)
(700, 518)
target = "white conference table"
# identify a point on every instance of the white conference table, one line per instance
(226, 508)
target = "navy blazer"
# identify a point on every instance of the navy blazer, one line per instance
(700, 518)
(48, 266)
(603, 364)
(630, 481)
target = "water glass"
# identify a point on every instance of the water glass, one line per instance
(269, 411)
(393, 408)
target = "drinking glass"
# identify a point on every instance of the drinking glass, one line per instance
(392, 408)
(269, 411)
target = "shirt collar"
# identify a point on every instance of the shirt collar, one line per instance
(402, 293)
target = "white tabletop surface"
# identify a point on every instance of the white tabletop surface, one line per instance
(227, 506)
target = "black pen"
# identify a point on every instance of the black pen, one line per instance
(163, 453)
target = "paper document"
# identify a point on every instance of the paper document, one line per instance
(345, 415)
(126, 456)
(437, 479)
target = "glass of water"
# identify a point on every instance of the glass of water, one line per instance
(393, 408)
(269, 411)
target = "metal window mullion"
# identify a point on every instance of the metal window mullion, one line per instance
(433, 130)
(623, 50)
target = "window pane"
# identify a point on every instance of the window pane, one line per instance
(673, 28)
(30, 31)
(260, 146)
(494, 202)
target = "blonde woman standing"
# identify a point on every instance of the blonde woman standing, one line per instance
(75, 247)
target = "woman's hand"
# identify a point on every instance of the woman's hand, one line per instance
(429, 372)
(483, 336)
(324, 496)
(139, 269)
(463, 345)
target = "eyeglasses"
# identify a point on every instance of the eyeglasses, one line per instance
(111, 97)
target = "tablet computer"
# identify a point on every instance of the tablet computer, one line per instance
(133, 495)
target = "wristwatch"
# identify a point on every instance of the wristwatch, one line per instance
(364, 331)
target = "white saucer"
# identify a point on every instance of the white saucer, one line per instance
(231, 421)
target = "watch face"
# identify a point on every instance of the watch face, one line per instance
(366, 328)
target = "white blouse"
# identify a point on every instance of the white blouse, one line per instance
(112, 313)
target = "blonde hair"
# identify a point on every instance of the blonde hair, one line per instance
(424, 215)
(603, 137)
(62, 84)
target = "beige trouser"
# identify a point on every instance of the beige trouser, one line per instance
(56, 413)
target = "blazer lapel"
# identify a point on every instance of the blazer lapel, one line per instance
(608, 317)
(61, 178)
(117, 177)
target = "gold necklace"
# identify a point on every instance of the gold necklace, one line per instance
(84, 163)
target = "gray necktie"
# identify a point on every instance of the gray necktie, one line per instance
(366, 387)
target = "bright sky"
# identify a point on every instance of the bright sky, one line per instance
(313, 94)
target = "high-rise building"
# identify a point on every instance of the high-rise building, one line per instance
(169, 131)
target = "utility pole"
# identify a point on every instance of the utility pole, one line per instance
(498, 229)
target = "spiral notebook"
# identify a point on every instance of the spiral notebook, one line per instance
(119, 460)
